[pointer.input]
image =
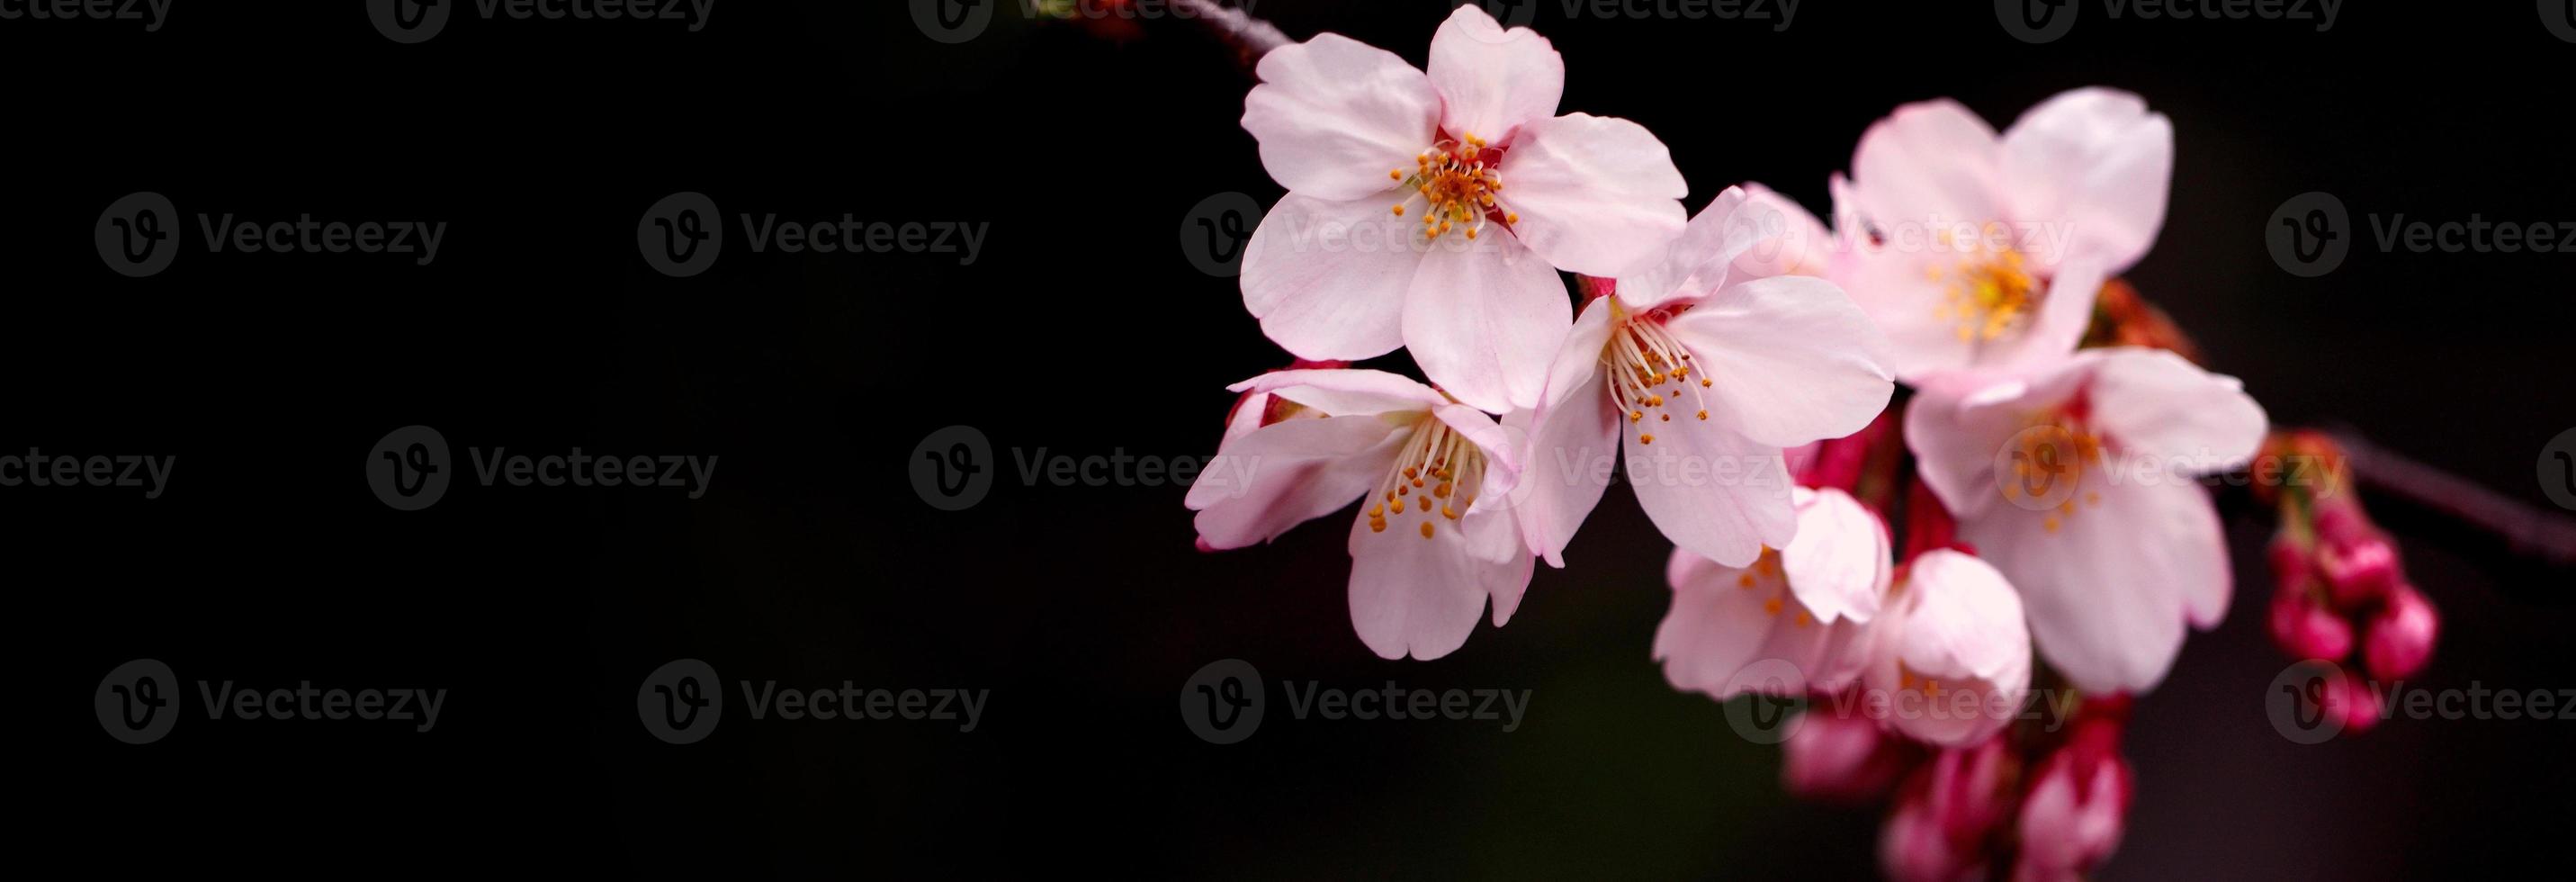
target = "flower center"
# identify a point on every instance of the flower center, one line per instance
(1990, 292)
(2048, 461)
(1436, 461)
(1456, 182)
(1765, 574)
(1639, 359)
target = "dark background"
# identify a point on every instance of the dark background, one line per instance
(1083, 329)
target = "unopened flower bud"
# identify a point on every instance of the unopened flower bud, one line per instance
(2306, 629)
(2402, 635)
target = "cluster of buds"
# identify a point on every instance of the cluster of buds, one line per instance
(2041, 803)
(2337, 576)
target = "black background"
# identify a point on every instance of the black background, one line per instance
(1083, 329)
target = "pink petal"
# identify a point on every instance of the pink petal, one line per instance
(1484, 321)
(1697, 263)
(1793, 360)
(1422, 597)
(2097, 162)
(1344, 391)
(1713, 629)
(1574, 441)
(1297, 470)
(1334, 115)
(1328, 279)
(1492, 81)
(1890, 286)
(2109, 589)
(1931, 161)
(1711, 491)
(1790, 240)
(1838, 565)
(1596, 195)
(2154, 403)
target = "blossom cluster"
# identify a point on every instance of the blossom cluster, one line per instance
(1781, 394)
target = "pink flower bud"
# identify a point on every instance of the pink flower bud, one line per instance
(2355, 702)
(2305, 629)
(2290, 567)
(2077, 808)
(2359, 572)
(2402, 635)
(1846, 760)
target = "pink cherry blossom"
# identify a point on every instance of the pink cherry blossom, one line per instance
(1842, 759)
(1946, 814)
(2078, 481)
(1433, 209)
(1807, 604)
(2077, 806)
(1949, 658)
(1707, 376)
(1987, 250)
(1435, 538)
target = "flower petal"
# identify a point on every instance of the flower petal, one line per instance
(1574, 442)
(2109, 589)
(2097, 161)
(1713, 629)
(2154, 403)
(1334, 115)
(1695, 264)
(1838, 565)
(1711, 491)
(1328, 279)
(1596, 195)
(1484, 321)
(1344, 391)
(1422, 597)
(1493, 81)
(1929, 162)
(1281, 475)
(1791, 359)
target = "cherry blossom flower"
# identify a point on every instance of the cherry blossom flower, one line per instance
(1807, 603)
(1398, 228)
(2078, 805)
(1946, 814)
(1950, 653)
(1708, 378)
(2077, 480)
(1987, 250)
(1435, 538)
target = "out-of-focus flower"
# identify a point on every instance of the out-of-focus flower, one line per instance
(2337, 571)
(1986, 250)
(1398, 228)
(1949, 652)
(1435, 538)
(1807, 603)
(2306, 629)
(2078, 480)
(1707, 377)
(1841, 759)
(1946, 814)
(2077, 805)
(2400, 639)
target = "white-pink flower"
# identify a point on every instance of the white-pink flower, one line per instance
(1986, 250)
(1808, 603)
(1950, 657)
(1703, 378)
(2078, 480)
(1432, 209)
(1435, 537)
